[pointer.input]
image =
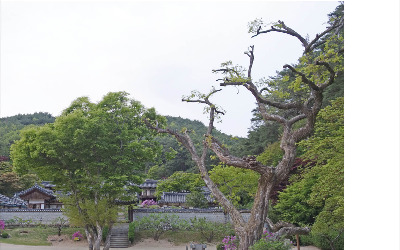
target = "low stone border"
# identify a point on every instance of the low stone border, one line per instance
(214, 215)
(29, 210)
(183, 210)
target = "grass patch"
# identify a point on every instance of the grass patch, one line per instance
(35, 236)
(176, 237)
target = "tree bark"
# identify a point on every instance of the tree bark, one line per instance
(108, 239)
(98, 237)
(89, 237)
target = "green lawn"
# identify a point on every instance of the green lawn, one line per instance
(177, 237)
(35, 236)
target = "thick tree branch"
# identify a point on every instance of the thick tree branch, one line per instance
(285, 29)
(296, 119)
(200, 160)
(308, 46)
(314, 43)
(245, 162)
(282, 229)
(303, 77)
(331, 76)
(248, 84)
(250, 54)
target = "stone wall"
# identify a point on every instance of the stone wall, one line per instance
(44, 216)
(215, 215)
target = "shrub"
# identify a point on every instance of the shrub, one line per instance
(230, 242)
(264, 244)
(269, 241)
(10, 222)
(60, 223)
(158, 224)
(4, 235)
(148, 203)
(220, 246)
(154, 206)
(131, 232)
(77, 235)
(196, 199)
(323, 243)
(105, 233)
(209, 229)
(2, 225)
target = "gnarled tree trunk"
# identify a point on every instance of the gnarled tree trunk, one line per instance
(251, 231)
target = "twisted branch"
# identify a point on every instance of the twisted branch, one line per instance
(310, 83)
(282, 229)
(285, 29)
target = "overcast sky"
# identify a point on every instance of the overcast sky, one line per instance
(54, 52)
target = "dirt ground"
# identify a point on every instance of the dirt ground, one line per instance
(147, 244)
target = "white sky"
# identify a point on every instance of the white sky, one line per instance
(54, 52)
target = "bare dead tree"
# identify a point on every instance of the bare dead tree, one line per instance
(270, 176)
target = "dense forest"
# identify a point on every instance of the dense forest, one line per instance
(173, 158)
(10, 127)
(176, 158)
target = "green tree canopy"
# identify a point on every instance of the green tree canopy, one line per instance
(11, 182)
(10, 127)
(93, 150)
(180, 182)
(238, 185)
(317, 196)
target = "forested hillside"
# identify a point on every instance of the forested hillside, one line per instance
(169, 162)
(176, 158)
(10, 127)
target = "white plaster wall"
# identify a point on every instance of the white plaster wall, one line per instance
(36, 201)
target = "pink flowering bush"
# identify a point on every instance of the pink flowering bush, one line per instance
(2, 225)
(77, 235)
(148, 203)
(230, 243)
(267, 235)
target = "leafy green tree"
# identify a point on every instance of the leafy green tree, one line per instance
(180, 182)
(28, 180)
(293, 203)
(158, 224)
(196, 199)
(11, 182)
(209, 229)
(271, 155)
(93, 151)
(10, 127)
(156, 172)
(326, 148)
(316, 197)
(238, 185)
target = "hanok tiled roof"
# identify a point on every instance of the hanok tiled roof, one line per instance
(11, 202)
(149, 184)
(47, 184)
(173, 197)
(37, 187)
